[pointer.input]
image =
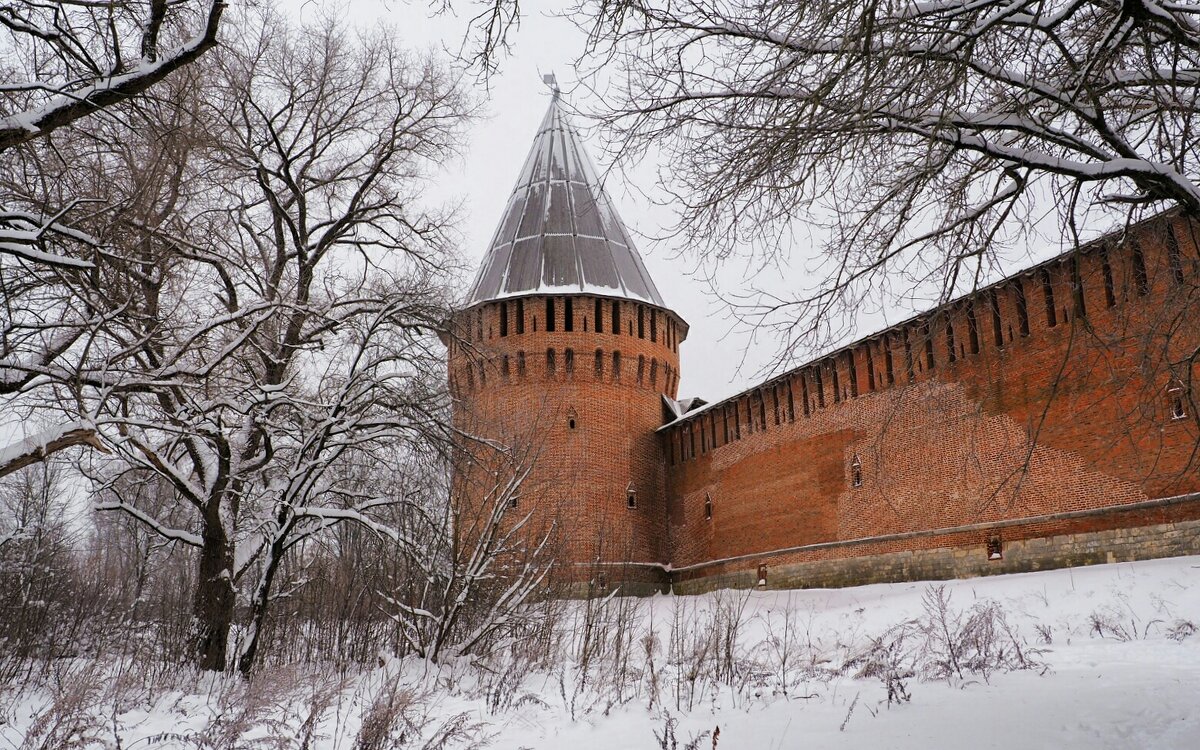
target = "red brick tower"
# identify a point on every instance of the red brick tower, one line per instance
(566, 348)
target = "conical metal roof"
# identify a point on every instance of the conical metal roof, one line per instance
(560, 233)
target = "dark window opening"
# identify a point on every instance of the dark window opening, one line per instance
(1077, 288)
(630, 497)
(599, 317)
(762, 409)
(712, 427)
(855, 472)
(520, 317)
(707, 507)
(503, 319)
(641, 322)
(1048, 293)
(513, 501)
(888, 365)
(1178, 403)
(820, 386)
(703, 438)
(908, 357)
(616, 318)
(725, 424)
(1110, 294)
(995, 548)
(1174, 259)
(749, 416)
(1022, 308)
(599, 363)
(520, 363)
(569, 315)
(972, 328)
(791, 402)
(737, 421)
(804, 393)
(654, 325)
(853, 373)
(997, 323)
(837, 388)
(927, 335)
(572, 418)
(616, 365)
(569, 361)
(692, 440)
(1140, 278)
(870, 368)
(550, 323)
(775, 402)
(551, 365)
(950, 337)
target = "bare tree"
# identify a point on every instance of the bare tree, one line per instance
(919, 137)
(485, 556)
(268, 302)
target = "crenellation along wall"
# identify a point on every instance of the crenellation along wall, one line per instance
(590, 421)
(1048, 393)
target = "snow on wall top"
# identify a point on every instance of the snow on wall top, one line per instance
(560, 234)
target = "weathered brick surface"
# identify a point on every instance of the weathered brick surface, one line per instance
(1067, 418)
(1054, 438)
(582, 475)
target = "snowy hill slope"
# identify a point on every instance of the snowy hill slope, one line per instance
(1099, 657)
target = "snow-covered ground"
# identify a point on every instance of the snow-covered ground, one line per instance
(1099, 657)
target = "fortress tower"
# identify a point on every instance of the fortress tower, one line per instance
(566, 349)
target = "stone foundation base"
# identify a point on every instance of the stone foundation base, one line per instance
(1018, 556)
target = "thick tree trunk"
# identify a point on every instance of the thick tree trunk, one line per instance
(215, 601)
(258, 615)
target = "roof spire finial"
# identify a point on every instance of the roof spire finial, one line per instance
(552, 81)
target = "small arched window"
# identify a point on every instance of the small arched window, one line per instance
(1177, 400)
(630, 496)
(855, 471)
(572, 419)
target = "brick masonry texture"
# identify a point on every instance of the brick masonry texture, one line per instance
(588, 412)
(1038, 413)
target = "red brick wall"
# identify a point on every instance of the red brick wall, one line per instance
(580, 475)
(1066, 418)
